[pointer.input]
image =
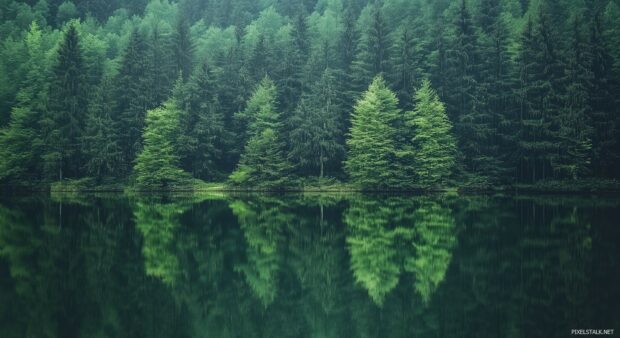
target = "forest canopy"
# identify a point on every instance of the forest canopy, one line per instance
(380, 94)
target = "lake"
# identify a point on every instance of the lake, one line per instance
(314, 265)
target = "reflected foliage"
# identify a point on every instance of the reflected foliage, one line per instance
(306, 266)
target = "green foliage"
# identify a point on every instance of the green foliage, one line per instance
(371, 158)
(431, 154)
(314, 136)
(528, 88)
(263, 162)
(157, 166)
(63, 122)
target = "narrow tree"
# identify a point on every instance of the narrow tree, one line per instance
(263, 162)
(64, 119)
(100, 142)
(314, 138)
(371, 158)
(203, 135)
(433, 148)
(157, 166)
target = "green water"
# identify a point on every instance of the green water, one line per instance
(308, 266)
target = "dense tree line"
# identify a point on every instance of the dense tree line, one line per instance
(380, 93)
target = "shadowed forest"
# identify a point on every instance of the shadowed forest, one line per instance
(391, 94)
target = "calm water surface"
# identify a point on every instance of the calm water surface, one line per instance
(308, 266)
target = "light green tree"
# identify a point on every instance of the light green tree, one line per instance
(263, 163)
(157, 166)
(431, 154)
(371, 159)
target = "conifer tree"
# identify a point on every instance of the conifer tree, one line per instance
(263, 162)
(63, 122)
(371, 158)
(431, 154)
(575, 131)
(182, 45)
(134, 96)
(157, 165)
(372, 54)
(315, 143)
(203, 135)
(100, 143)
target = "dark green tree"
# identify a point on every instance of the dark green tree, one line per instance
(203, 136)
(314, 137)
(99, 142)
(133, 96)
(373, 49)
(64, 119)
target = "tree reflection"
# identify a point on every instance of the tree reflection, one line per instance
(434, 240)
(263, 221)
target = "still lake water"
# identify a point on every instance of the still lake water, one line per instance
(308, 266)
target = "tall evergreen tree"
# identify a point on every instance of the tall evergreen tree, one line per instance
(575, 130)
(100, 143)
(263, 162)
(540, 99)
(373, 50)
(157, 165)
(603, 112)
(63, 122)
(134, 96)
(371, 158)
(203, 135)
(183, 49)
(314, 138)
(430, 154)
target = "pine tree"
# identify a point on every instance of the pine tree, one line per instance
(291, 83)
(371, 159)
(263, 162)
(157, 165)
(63, 122)
(603, 107)
(540, 99)
(404, 67)
(134, 96)
(315, 140)
(203, 135)
(373, 50)
(20, 139)
(575, 131)
(466, 100)
(183, 49)
(100, 143)
(431, 152)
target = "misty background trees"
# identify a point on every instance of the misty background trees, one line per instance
(379, 93)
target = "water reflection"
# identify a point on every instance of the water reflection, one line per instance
(307, 266)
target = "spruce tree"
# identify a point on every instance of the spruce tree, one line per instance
(575, 131)
(314, 138)
(100, 143)
(63, 122)
(540, 99)
(157, 165)
(263, 162)
(602, 103)
(133, 96)
(373, 50)
(203, 135)
(371, 158)
(430, 157)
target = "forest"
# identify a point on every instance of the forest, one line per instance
(274, 94)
